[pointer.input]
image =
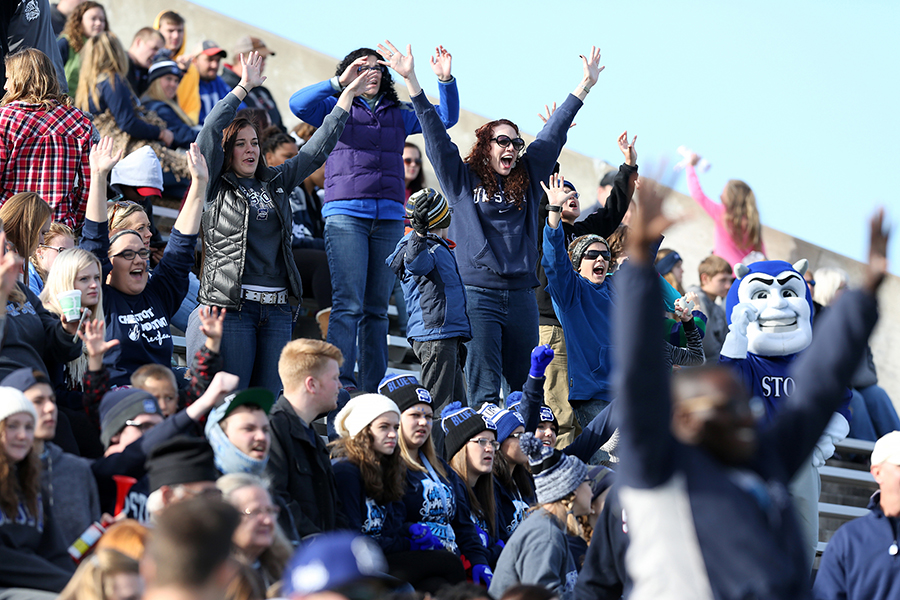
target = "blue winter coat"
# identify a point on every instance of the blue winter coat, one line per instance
(183, 133)
(116, 95)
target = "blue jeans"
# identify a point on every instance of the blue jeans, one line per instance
(504, 332)
(252, 341)
(361, 286)
(881, 409)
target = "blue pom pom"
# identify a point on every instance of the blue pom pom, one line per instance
(531, 446)
(451, 408)
(513, 399)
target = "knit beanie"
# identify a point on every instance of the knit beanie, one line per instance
(513, 400)
(439, 214)
(181, 459)
(404, 390)
(163, 65)
(121, 405)
(12, 402)
(556, 475)
(580, 245)
(545, 415)
(665, 264)
(24, 379)
(361, 411)
(461, 424)
(506, 421)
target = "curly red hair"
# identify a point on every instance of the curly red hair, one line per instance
(515, 185)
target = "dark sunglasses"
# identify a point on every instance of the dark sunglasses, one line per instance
(593, 254)
(365, 68)
(410, 161)
(504, 140)
(129, 254)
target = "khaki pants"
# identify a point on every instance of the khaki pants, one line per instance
(556, 385)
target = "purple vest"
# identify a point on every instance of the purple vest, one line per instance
(367, 161)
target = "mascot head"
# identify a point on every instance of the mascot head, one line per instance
(778, 291)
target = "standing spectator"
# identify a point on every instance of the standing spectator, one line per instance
(494, 193)
(86, 21)
(206, 58)
(161, 97)
(171, 25)
(249, 267)
(45, 140)
(738, 230)
(715, 280)
(29, 27)
(861, 558)
(57, 240)
(413, 174)
(616, 198)
(146, 43)
(59, 14)
(259, 97)
(364, 200)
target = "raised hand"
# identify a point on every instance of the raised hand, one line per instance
(879, 236)
(350, 73)
(93, 336)
(197, 164)
(357, 86)
(648, 222)
(541, 357)
(221, 385)
(550, 112)
(104, 156)
(556, 194)
(251, 70)
(212, 325)
(402, 64)
(628, 148)
(591, 67)
(440, 63)
(10, 267)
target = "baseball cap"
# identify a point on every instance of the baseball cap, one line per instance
(248, 44)
(209, 48)
(887, 449)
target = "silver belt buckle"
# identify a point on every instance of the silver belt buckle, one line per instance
(269, 298)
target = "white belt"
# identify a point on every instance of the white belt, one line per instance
(265, 297)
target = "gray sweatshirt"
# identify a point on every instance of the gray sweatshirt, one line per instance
(67, 480)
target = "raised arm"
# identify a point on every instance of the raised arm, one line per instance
(605, 219)
(103, 158)
(188, 221)
(404, 65)
(713, 209)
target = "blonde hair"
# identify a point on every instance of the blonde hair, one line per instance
(128, 536)
(57, 230)
(103, 57)
(24, 215)
(119, 212)
(562, 511)
(410, 455)
(828, 282)
(481, 495)
(93, 578)
(741, 215)
(155, 92)
(304, 357)
(31, 78)
(152, 371)
(61, 278)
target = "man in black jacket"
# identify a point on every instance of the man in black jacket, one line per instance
(299, 467)
(603, 222)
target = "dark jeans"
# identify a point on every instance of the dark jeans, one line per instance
(252, 341)
(314, 275)
(442, 373)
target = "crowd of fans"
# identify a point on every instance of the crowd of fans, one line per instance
(565, 439)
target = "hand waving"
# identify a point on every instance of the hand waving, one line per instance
(93, 336)
(10, 267)
(197, 164)
(550, 112)
(556, 194)
(879, 236)
(591, 67)
(104, 156)
(212, 322)
(440, 63)
(628, 149)
(402, 64)
(251, 66)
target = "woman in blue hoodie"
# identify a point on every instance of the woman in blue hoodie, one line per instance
(495, 193)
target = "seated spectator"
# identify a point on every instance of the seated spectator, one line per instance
(669, 265)
(85, 21)
(259, 97)
(238, 431)
(206, 58)
(171, 26)
(103, 90)
(57, 240)
(60, 12)
(139, 308)
(66, 478)
(860, 559)
(159, 380)
(31, 334)
(146, 43)
(45, 140)
(32, 554)
(258, 541)
(715, 281)
(538, 552)
(107, 575)
(178, 469)
(161, 97)
(298, 467)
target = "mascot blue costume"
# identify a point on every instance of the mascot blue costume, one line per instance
(769, 311)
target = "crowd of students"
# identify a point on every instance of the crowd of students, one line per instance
(546, 409)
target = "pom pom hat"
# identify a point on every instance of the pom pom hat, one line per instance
(556, 475)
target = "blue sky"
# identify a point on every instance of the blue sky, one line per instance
(797, 98)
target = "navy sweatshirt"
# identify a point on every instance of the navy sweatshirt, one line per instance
(497, 242)
(115, 94)
(699, 527)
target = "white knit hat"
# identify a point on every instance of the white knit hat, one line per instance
(141, 168)
(361, 411)
(12, 401)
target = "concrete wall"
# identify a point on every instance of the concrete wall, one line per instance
(295, 66)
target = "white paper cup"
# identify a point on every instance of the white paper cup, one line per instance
(70, 303)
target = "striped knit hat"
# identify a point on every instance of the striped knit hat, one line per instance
(439, 212)
(556, 475)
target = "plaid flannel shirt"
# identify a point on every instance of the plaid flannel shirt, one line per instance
(46, 151)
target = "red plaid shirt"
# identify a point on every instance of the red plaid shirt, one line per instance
(46, 151)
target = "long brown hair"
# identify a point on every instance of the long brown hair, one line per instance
(741, 215)
(23, 217)
(229, 139)
(74, 31)
(103, 58)
(481, 495)
(515, 185)
(31, 78)
(515, 477)
(384, 477)
(20, 481)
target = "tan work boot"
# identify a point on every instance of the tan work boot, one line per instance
(322, 318)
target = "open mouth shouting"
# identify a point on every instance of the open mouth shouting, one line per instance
(258, 450)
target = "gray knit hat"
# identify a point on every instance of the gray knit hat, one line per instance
(556, 475)
(580, 245)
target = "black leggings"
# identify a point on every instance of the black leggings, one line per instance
(314, 274)
(427, 570)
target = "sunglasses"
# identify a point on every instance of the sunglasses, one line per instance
(410, 161)
(485, 443)
(130, 254)
(122, 204)
(504, 140)
(365, 68)
(594, 254)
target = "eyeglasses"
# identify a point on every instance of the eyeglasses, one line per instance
(59, 249)
(504, 140)
(594, 254)
(411, 161)
(122, 204)
(130, 254)
(365, 68)
(486, 443)
(144, 427)
(268, 511)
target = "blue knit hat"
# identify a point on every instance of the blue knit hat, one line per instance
(506, 421)
(513, 401)
(461, 424)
